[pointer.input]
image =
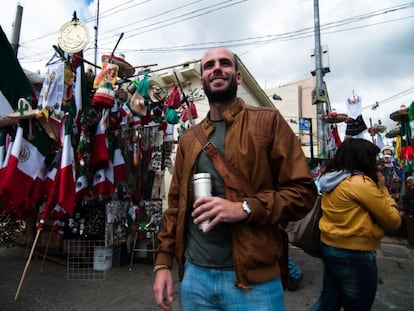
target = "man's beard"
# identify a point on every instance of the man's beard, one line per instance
(221, 96)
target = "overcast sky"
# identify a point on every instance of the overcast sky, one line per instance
(370, 42)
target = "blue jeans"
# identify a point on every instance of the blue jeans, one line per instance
(211, 289)
(294, 271)
(349, 280)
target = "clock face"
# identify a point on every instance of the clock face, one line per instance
(73, 37)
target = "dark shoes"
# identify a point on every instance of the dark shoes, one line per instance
(293, 284)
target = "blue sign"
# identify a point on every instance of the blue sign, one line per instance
(305, 124)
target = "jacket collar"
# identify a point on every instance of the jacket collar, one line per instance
(229, 114)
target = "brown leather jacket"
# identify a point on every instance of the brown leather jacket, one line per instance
(259, 144)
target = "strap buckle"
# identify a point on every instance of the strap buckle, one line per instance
(206, 146)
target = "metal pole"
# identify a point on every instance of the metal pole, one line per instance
(96, 34)
(16, 29)
(319, 80)
(311, 138)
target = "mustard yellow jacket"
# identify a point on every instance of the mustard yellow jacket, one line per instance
(262, 147)
(355, 212)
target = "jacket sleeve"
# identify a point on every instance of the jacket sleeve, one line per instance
(294, 191)
(377, 200)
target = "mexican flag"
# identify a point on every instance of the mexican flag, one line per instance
(13, 81)
(118, 162)
(50, 177)
(82, 185)
(100, 148)
(42, 142)
(67, 191)
(99, 185)
(23, 167)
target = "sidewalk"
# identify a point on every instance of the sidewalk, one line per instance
(132, 290)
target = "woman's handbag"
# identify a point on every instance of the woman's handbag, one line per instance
(304, 233)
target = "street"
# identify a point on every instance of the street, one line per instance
(126, 290)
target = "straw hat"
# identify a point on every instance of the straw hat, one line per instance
(24, 110)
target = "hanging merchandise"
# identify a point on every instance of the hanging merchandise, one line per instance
(171, 116)
(174, 98)
(100, 150)
(104, 96)
(51, 94)
(158, 94)
(137, 104)
(355, 123)
(125, 70)
(190, 113)
(143, 87)
(68, 79)
(108, 73)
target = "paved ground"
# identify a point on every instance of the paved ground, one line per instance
(126, 290)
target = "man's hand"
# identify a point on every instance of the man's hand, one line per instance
(163, 289)
(217, 210)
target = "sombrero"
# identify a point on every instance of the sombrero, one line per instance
(126, 70)
(399, 114)
(24, 110)
(394, 132)
(377, 128)
(334, 117)
(137, 104)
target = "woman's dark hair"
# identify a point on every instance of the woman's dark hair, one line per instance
(356, 155)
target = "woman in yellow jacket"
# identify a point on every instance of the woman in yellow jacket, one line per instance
(357, 208)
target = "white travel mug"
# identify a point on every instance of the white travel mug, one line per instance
(202, 188)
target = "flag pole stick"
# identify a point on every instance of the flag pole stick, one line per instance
(116, 45)
(27, 265)
(46, 249)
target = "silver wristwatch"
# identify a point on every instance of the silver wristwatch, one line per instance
(246, 207)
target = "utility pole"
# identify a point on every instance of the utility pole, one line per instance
(319, 81)
(96, 34)
(16, 29)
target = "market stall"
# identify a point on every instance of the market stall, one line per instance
(102, 143)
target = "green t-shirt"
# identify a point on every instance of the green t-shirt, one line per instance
(212, 249)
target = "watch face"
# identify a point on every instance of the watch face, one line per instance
(73, 37)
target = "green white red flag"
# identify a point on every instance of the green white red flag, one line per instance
(67, 190)
(22, 169)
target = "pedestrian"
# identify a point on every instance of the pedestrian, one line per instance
(356, 209)
(233, 262)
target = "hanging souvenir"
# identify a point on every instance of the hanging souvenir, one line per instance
(126, 70)
(104, 96)
(137, 104)
(171, 116)
(51, 94)
(108, 73)
(174, 98)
